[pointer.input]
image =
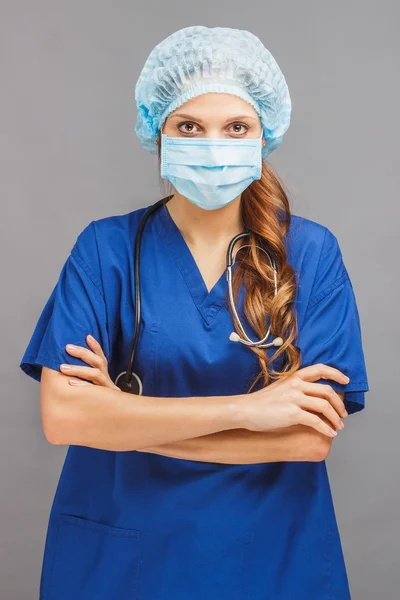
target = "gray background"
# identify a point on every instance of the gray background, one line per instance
(69, 155)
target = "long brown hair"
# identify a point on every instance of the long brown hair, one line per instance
(265, 212)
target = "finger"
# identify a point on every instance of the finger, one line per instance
(314, 421)
(321, 371)
(324, 390)
(88, 356)
(89, 373)
(78, 382)
(323, 406)
(96, 347)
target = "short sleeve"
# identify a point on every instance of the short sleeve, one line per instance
(75, 308)
(331, 331)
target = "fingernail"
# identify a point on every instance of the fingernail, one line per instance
(91, 338)
(71, 346)
(333, 433)
(75, 382)
(65, 367)
(347, 378)
(341, 424)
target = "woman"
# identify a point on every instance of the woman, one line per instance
(211, 483)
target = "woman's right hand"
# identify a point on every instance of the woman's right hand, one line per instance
(294, 400)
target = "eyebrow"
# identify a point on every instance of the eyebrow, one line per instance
(192, 118)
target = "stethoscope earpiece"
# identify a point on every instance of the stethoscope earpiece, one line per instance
(234, 337)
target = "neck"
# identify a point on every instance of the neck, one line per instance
(198, 225)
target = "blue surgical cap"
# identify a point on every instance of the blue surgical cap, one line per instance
(196, 60)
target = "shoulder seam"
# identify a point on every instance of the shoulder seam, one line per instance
(93, 223)
(317, 267)
(83, 264)
(323, 293)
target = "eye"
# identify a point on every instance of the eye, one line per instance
(239, 133)
(188, 124)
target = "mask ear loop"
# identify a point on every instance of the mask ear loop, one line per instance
(161, 132)
(263, 142)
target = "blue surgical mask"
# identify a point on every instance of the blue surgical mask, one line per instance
(211, 172)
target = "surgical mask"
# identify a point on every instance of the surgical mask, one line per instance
(211, 172)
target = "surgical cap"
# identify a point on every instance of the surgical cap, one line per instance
(196, 60)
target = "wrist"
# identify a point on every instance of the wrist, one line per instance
(236, 411)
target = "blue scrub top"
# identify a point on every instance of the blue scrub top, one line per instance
(132, 525)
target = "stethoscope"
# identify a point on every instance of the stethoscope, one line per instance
(128, 381)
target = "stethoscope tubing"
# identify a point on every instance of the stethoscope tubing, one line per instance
(129, 381)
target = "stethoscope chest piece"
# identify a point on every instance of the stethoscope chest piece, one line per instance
(134, 386)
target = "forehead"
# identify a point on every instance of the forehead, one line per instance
(216, 105)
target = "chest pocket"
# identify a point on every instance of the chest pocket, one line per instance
(94, 561)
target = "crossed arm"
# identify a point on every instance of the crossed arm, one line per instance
(229, 445)
(241, 446)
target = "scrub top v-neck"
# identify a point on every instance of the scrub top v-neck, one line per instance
(207, 302)
(142, 526)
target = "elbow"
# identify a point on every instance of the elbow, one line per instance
(321, 449)
(52, 435)
(57, 411)
(55, 428)
(311, 445)
(321, 444)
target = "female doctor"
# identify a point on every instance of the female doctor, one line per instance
(206, 480)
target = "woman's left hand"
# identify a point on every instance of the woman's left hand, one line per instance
(96, 373)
